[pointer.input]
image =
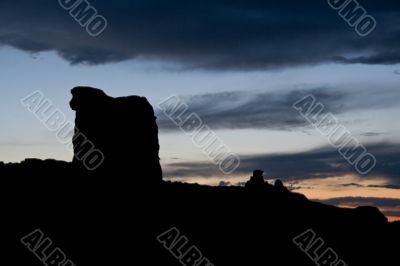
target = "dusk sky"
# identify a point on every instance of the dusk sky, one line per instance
(239, 65)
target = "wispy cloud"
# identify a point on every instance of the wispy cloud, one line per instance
(372, 134)
(273, 110)
(367, 186)
(385, 186)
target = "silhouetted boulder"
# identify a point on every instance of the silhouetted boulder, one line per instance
(279, 187)
(115, 135)
(279, 184)
(256, 180)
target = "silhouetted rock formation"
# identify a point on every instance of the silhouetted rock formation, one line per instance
(101, 221)
(123, 129)
(256, 180)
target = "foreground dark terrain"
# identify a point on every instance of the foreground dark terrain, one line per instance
(111, 221)
(113, 216)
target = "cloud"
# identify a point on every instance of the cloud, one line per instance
(319, 163)
(385, 186)
(369, 186)
(350, 185)
(217, 34)
(372, 134)
(274, 110)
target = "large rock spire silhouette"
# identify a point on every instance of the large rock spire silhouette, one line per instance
(124, 130)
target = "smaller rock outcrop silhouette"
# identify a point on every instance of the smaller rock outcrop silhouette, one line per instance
(256, 180)
(123, 129)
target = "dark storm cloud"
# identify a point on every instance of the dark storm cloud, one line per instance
(213, 34)
(274, 110)
(319, 163)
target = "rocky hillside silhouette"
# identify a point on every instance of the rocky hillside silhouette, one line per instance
(113, 215)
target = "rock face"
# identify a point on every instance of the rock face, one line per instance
(123, 130)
